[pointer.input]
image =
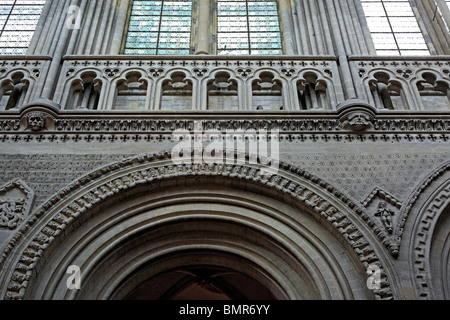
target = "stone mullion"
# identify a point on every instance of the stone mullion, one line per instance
(421, 18)
(203, 33)
(120, 26)
(433, 25)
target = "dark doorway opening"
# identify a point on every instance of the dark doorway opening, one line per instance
(201, 283)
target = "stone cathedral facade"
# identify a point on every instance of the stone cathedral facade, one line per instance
(225, 149)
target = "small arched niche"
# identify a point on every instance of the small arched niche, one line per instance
(176, 92)
(312, 92)
(131, 92)
(13, 91)
(434, 93)
(387, 93)
(267, 92)
(223, 93)
(85, 92)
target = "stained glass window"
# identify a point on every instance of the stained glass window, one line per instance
(394, 27)
(248, 27)
(160, 27)
(18, 20)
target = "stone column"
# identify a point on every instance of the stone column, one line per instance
(88, 14)
(326, 28)
(287, 27)
(317, 27)
(76, 31)
(203, 34)
(302, 36)
(58, 54)
(349, 88)
(120, 25)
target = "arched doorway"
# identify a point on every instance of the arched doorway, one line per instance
(126, 233)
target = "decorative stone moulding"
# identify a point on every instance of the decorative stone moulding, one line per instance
(90, 191)
(16, 201)
(354, 120)
(422, 241)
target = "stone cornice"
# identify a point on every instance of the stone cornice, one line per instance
(158, 122)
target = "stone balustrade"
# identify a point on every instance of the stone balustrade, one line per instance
(227, 83)
(221, 83)
(21, 79)
(397, 83)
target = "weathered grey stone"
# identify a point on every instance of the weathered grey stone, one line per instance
(132, 166)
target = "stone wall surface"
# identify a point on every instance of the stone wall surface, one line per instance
(350, 182)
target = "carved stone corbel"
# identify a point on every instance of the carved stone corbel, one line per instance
(39, 116)
(356, 115)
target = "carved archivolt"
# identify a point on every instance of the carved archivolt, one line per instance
(422, 240)
(107, 182)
